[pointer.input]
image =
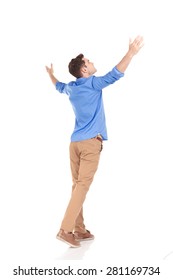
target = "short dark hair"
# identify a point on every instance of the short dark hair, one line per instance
(75, 66)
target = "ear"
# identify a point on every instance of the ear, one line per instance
(84, 69)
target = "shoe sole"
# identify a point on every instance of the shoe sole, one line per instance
(63, 240)
(84, 239)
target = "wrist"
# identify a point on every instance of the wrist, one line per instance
(50, 74)
(130, 54)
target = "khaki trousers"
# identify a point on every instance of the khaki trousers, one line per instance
(84, 159)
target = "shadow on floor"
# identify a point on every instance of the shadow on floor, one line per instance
(76, 253)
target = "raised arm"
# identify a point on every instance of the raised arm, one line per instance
(134, 48)
(50, 72)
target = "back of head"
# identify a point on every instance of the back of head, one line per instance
(75, 66)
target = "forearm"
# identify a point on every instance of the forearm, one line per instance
(53, 79)
(125, 61)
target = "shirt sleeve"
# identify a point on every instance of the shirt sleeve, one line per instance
(103, 81)
(61, 87)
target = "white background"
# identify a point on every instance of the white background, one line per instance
(129, 207)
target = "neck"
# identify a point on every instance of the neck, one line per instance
(86, 75)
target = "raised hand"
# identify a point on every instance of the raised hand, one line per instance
(50, 69)
(134, 47)
(136, 44)
(50, 72)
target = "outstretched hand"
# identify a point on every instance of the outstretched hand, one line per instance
(50, 69)
(136, 45)
(50, 72)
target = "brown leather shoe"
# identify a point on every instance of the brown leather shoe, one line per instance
(79, 236)
(68, 237)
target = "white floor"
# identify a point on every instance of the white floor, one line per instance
(130, 230)
(121, 247)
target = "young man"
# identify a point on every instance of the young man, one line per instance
(85, 95)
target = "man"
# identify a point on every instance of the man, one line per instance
(85, 95)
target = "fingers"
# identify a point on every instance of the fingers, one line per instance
(136, 44)
(139, 40)
(130, 41)
(49, 69)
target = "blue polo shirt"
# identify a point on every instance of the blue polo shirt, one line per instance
(85, 95)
